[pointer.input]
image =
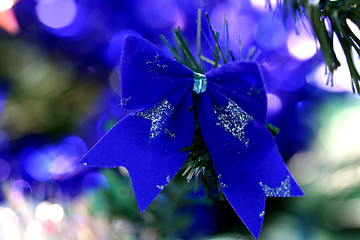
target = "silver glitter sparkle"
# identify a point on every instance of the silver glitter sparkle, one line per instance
(234, 120)
(282, 191)
(222, 185)
(161, 187)
(170, 134)
(158, 115)
(124, 101)
(154, 66)
(262, 214)
(256, 92)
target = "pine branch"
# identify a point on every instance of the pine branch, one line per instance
(336, 14)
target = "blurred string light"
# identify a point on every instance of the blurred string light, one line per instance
(341, 77)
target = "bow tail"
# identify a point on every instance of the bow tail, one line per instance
(247, 161)
(147, 144)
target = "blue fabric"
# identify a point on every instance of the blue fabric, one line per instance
(231, 114)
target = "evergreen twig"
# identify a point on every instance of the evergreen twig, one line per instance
(336, 14)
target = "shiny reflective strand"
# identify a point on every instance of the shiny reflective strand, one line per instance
(234, 120)
(282, 191)
(158, 115)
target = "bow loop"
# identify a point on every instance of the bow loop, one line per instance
(242, 83)
(147, 75)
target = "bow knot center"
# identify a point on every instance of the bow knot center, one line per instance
(200, 83)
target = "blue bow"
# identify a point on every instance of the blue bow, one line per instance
(230, 106)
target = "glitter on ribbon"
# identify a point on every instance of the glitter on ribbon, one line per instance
(170, 134)
(161, 187)
(282, 191)
(200, 83)
(234, 120)
(158, 115)
(124, 101)
(154, 66)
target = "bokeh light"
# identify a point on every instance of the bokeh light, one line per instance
(343, 137)
(302, 46)
(6, 4)
(36, 164)
(4, 170)
(274, 105)
(56, 13)
(9, 221)
(34, 230)
(93, 181)
(56, 213)
(270, 33)
(262, 5)
(113, 51)
(42, 211)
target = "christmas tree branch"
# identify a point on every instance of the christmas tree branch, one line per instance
(336, 14)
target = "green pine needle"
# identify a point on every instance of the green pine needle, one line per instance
(336, 13)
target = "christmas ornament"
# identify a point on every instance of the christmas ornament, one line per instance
(229, 103)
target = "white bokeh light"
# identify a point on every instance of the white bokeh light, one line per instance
(274, 104)
(343, 138)
(34, 230)
(9, 225)
(260, 4)
(6, 4)
(56, 213)
(56, 13)
(302, 46)
(42, 211)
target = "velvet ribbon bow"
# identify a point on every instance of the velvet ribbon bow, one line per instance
(230, 104)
